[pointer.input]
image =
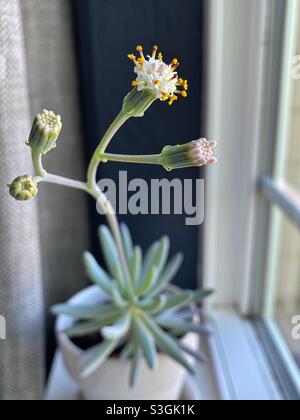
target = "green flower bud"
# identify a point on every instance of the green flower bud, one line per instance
(23, 188)
(45, 131)
(196, 153)
(137, 102)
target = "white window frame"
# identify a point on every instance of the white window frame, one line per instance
(242, 101)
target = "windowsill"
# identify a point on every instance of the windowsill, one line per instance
(240, 369)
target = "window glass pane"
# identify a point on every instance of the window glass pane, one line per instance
(293, 156)
(287, 303)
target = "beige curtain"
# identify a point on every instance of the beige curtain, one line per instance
(21, 303)
(36, 42)
(52, 80)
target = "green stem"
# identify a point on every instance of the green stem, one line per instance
(97, 157)
(101, 198)
(38, 164)
(144, 159)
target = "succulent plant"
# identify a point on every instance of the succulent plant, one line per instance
(150, 317)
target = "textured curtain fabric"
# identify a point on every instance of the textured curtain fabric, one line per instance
(21, 303)
(41, 242)
(52, 82)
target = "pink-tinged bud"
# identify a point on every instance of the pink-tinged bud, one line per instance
(196, 153)
(202, 152)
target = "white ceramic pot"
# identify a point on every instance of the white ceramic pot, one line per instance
(110, 381)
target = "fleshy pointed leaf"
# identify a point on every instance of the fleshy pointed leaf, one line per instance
(199, 295)
(82, 312)
(86, 328)
(118, 299)
(127, 351)
(149, 261)
(197, 355)
(166, 343)
(180, 326)
(157, 256)
(111, 256)
(127, 240)
(119, 329)
(105, 350)
(96, 274)
(146, 342)
(136, 367)
(136, 265)
(148, 282)
(169, 273)
(153, 306)
(179, 300)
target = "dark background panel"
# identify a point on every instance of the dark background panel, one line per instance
(106, 31)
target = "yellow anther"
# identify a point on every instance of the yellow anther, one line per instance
(139, 48)
(173, 99)
(175, 61)
(141, 60)
(135, 83)
(160, 56)
(184, 94)
(165, 97)
(157, 82)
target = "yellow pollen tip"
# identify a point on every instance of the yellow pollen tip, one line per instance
(141, 60)
(184, 94)
(131, 57)
(160, 56)
(134, 83)
(157, 82)
(139, 48)
(173, 99)
(175, 61)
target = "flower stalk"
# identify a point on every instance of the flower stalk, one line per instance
(155, 80)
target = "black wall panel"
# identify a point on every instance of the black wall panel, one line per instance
(106, 31)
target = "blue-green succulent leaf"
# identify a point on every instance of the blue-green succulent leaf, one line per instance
(148, 282)
(136, 366)
(83, 312)
(106, 348)
(154, 305)
(179, 300)
(168, 275)
(146, 342)
(199, 295)
(166, 343)
(111, 255)
(127, 239)
(136, 265)
(180, 326)
(91, 327)
(119, 329)
(96, 274)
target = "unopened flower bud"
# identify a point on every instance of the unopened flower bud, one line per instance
(196, 153)
(45, 131)
(23, 188)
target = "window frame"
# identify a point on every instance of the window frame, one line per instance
(241, 285)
